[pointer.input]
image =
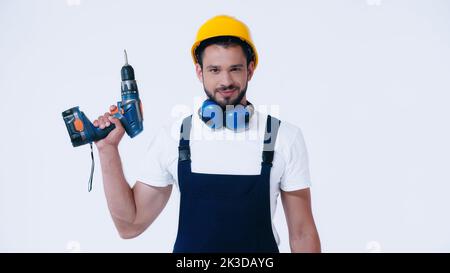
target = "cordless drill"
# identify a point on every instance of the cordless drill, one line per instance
(128, 111)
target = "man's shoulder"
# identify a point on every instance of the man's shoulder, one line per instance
(287, 129)
(288, 133)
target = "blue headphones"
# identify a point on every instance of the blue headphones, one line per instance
(233, 117)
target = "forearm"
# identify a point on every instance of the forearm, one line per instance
(119, 195)
(307, 242)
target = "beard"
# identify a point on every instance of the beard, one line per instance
(223, 102)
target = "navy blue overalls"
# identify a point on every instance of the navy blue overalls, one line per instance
(225, 213)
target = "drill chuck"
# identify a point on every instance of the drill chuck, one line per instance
(127, 71)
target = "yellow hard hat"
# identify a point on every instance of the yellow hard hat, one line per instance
(223, 25)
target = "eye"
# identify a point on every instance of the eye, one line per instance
(237, 69)
(214, 70)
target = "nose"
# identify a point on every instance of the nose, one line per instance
(226, 79)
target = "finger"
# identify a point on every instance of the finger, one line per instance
(95, 123)
(112, 108)
(116, 122)
(101, 122)
(106, 116)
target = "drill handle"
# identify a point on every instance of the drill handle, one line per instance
(102, 133)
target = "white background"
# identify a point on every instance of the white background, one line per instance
(366, 80)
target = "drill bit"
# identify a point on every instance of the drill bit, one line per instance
(126, 57)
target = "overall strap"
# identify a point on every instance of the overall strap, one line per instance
(270, 137)
(184, 151)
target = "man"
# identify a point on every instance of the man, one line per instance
(228, 185)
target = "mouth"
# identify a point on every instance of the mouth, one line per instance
(228, 93)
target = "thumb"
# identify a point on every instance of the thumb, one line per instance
(115, 120)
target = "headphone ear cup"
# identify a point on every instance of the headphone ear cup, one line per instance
(212, 114)
(237, 118)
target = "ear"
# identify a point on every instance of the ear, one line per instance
(250, 70)
(199, 72)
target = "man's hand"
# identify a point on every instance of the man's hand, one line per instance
(114, 137)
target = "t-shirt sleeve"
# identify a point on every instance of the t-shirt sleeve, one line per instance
(154, 167)
(296, 174)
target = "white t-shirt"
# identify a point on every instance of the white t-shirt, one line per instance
(223, 151)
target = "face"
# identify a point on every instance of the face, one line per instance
(225, 74)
